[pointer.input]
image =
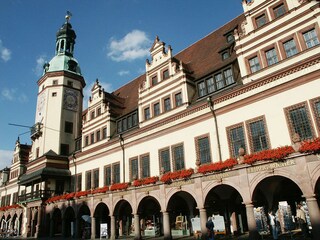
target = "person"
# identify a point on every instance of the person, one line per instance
(302, 220)
(273, 224)
(210, 228)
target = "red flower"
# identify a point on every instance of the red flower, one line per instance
(218, 166)
(310, 146)
(181, 174)
(145, 181)
(269, 154)
(119, 186)
(82, 193)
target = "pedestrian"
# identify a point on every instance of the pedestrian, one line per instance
(302, 221)
(210, 228)
(273, 225)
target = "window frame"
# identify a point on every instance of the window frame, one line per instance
(180, 102)
(250, 136)
(141, 164)
(199, 152)
(174, 160)
(131, 175)
(163, 75)
(290, 123)
(232, 150)
(106, 177)
(275, 6)
(258, 16)
(145, 115)
(316, 115)
(161, 159)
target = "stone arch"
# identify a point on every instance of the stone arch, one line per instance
(69, 222)
(123, 217)
(102, 216)
(225, 203)
(84, 221)
(149, 211)
(182, 207)
(57, 222)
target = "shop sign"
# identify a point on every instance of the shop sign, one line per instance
(179, 183)
(271, 166)
(220, 176)
(147, 189)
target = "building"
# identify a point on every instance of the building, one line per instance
(227, 127)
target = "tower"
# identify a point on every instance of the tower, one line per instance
(59, 103)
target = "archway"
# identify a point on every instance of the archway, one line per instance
(123, 214)
(279, 195)
(224, 203)
(70, 220)
(57, 222)
(317, 191)
(181, 208)
(84, 219)
(150, 217)
(101, 215)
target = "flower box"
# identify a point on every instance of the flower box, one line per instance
(218, 166)
(119, 186)
(310, 146)
(181, 174)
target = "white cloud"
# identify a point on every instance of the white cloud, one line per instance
(5, 158)
(38, 70)
(4, 52)
(123, 73)
(134, 45)
(87, 92)
(8, 94)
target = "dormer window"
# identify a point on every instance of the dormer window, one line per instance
(230, 38)
(261, 20)
(225, 55)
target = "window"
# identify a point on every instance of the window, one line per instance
(210, 84)
(165, 160)
(124, 124)
(165, 74)
(54, 94)
(261, 20)
(116, 173)
(55, 82)
(228, 76)
(145, 166)
(279, 10)
(79, 182)
(167, 104)
(290, 48)
(299, 121)
(92, 138)
(311, 38)
(178, 99)
(254, 64)
(202, 90)
(154, 80)
(95, 178)
(92, 115)
(271, 56)
(134, 119)
(70, 83)
(107, 175)
(129, 121)
(147, 113)
(99, 111)
(68, 127)
(219, 81)
(86, 141)
(315, 103)
(119, 126)
(104, 133)
(98, 135)
(134, 169)
(156, 109)
(225, 55)
(230, 37)
(258, 135)
(178, 157)
(203, 150)
(236, 140)
(224, 78)
(88, 180)
(64, 149)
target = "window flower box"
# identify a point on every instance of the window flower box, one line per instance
(276, 154)
(181, 174)
(218, 166)
(100, 190)
(310, 146)
(145, 181)
(119, 186)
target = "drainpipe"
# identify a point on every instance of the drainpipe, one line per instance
(211, 105)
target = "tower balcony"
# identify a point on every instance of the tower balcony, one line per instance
(36, 131)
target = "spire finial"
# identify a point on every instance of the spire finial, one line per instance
(68, 16)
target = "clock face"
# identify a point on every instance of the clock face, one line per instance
(70, 100)
(40, 107)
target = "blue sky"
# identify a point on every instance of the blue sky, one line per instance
(113, 42)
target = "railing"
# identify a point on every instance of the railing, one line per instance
(36, 130)
(33, 196)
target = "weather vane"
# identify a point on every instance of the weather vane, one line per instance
(68, 16)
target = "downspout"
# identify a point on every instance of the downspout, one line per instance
(211, 105)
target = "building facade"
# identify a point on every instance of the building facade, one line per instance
(229, 127)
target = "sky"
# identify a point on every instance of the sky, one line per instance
(112, 45)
